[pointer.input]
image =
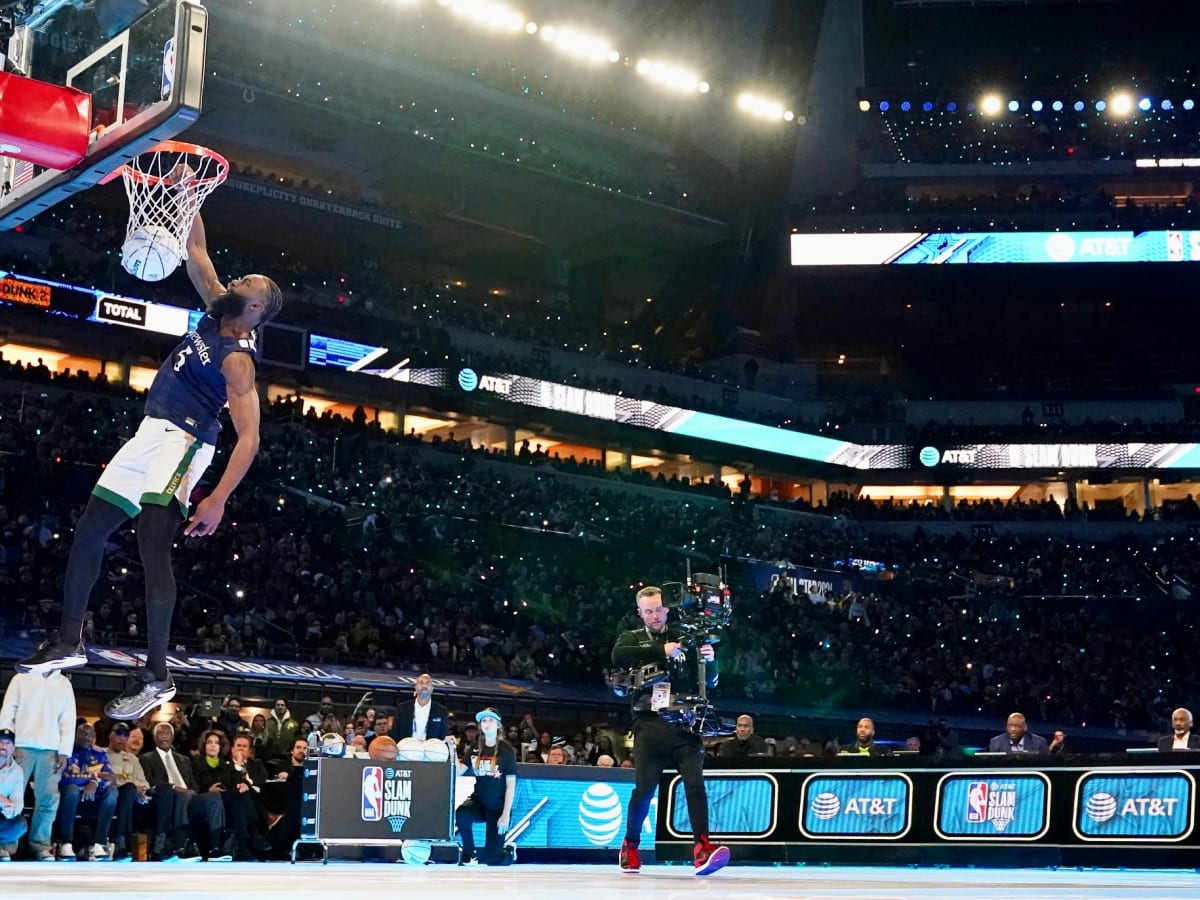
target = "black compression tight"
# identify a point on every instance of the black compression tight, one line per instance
(157, 526)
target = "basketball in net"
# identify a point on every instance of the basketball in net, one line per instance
(166, 186)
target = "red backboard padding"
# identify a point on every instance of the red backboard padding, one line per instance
(43, 123)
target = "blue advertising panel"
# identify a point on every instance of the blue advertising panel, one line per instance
(856, 807)
(738, 804)
(1001, 806)
(583, 810)
(1135, 805)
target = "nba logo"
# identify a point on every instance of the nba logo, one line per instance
(168, 68)
(977, 794)
(1174, 246)
(372, 794)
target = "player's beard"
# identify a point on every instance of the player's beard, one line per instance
(227, 304)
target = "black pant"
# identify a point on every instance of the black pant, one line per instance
(207, 810)
(169, 808)
(246, 817)
(127, 796)
(465, 817)
(657, 746)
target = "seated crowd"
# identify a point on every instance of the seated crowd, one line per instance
(213, 786)
(383, 555)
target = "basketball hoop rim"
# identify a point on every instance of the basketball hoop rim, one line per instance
(180, 147)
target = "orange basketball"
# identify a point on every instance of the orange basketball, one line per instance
(383, 748)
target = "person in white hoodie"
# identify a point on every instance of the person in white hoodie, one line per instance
(40, 709)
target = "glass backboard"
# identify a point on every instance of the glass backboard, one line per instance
(145, 80)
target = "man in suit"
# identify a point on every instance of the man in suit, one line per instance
(1183, 738)
(173, 784)
(1016, 739)
(420, 717)
(865, 745)
(244, 803)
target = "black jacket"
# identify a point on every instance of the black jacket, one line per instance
(207, 776)
(755, 745)
(156, 769)
(640, 647)
(1164, 744)
(402, 721)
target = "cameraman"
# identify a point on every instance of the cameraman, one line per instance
(658, 744)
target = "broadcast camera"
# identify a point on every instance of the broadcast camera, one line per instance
(703, 607)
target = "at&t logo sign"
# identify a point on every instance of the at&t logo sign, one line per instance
(827, 805)
(1102, 806)
(469, 380)
(1135, 805)
(856, 807)
(600, 815)
(931, 456)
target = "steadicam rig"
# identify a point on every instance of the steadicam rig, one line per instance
(627, 682)
(703, 607)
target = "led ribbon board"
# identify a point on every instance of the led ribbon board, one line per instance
(934, 248)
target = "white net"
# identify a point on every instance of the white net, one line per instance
(166, 186)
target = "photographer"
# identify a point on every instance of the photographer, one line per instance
(658, 744)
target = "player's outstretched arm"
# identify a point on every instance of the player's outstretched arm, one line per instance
(199, 266)
(238, 370)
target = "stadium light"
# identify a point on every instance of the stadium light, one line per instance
(1145, 104)
(669, 75)
(582, 45)
(766, 108)
(864, 105)
(1014, 105)
(1057, 106)
(1037, 106)
(1121, 104)
(489, 14)
(991, 105)
(1189, 104)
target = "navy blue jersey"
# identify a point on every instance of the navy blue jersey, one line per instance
(189, 388)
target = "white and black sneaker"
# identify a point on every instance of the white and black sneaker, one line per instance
(143, 693)
(52, 657)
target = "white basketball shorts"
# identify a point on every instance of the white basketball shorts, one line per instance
(159, 462)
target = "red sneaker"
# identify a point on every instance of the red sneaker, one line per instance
(629, 860)
(709, 857)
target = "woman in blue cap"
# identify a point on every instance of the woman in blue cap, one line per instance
(493, 762)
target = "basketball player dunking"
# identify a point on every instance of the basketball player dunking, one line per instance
(153, 474)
